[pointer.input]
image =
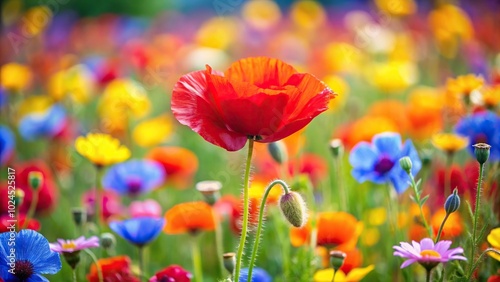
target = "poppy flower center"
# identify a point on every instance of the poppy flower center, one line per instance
(384, 165)
(134, 185)
(24, 269)
(430, 253)
(481, 138)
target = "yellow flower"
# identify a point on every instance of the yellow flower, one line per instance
(153, 131)
(449, 142)
(354, 275)
(36, 19)
(339, 86)
(450, 25)
(124, 97)
(261, 14)
(342, 57)
(217, 33)
(397, 7)
(15, 77)
(101, 149)
(494, 240)
(307, 14)
(76, 82)
(491, 97)
(393, 76)
(464, 84)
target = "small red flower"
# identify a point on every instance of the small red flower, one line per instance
(114, 269)
(173, 273)
(5, 221)
(260, 98)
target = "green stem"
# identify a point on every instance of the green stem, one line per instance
(334, 273)
(476, 217)
(31, 210)
(259, 226)
(246, 199)
(428, 276)
(74, 275)
(141, 262)
(417, 199)
(342, 191)
(218, 242)
(195, 253)
(441, 227)
(94, 259)
(98, 198)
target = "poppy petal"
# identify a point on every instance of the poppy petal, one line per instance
(260, 71)
(193, 106)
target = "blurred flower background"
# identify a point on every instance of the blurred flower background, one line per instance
(87, 126)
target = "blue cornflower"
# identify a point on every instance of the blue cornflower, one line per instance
(379, 161)
(134, 177)
(32, 257)
(140, 230)
(46, 124)
(483, 127)
(7, 144)
(258, 275)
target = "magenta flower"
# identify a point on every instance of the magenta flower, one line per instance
(148, 207)
(427, 253)
(71, 246)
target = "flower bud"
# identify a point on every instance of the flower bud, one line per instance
(294, 209)
(19, 198)
(210, 190)
(108, 240)
(79, 216)
(452, 202)
(405, 163)
(35, 180)
(229, 261)
(72, 258)
(482, 152)
(278, 151)
(337, 147)
(337, 259)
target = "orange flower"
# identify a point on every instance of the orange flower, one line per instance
(114, 269)
(453, 226)
(393, 110)
(364, 129)
(338, 229)
(424, 113)
(189, 217)
(180, 164)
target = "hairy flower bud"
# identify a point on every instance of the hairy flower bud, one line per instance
(278, 151)
(405, 163)
(210, 189)
(482, 152)
(294, 209)
(452, 202)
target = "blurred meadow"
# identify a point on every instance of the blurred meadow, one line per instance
(102, 122)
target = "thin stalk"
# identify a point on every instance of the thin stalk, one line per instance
(98, 197)
(195, 253)
(428, 276)
(334, 273)
(218, 242)
(246, 199)
(476, 217)
(31, 210)
(441, 227)
(141, 262)
(417, 199)
(94, 259)
(259, 226)
(74, 275)
(342, 191)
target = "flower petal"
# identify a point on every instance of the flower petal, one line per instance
(260, 71)
(388, 143)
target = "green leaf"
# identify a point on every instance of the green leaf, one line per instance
(424, 199)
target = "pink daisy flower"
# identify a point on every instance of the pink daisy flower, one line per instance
(71, 246)
(427, 253)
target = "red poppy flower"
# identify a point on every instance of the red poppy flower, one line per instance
(33, 224)
(260, 98)
(114, 269)
(173, 273)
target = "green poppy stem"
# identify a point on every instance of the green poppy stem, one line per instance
(477, 211)
(195, 253)
(259, 226)
(246, 200)
(98, 267)
(441, 227)
(218, 242)
(32, 209)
